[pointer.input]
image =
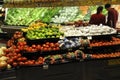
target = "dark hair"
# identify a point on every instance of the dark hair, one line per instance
(99, 9)
(107, 5)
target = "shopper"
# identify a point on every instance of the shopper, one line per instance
(97, 18)
(112, 16)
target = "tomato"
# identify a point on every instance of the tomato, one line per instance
(24, 42)
(19, 59)
(10, 61)
(19, 55)
(47, 43)
(33, 60)
(10, 54)
(52, 45)
(14, 54)
(33, 46)
(44, 45)
(7, 51)
(29, 49)
(38, 47)
(40, 62)
(54, 49)
(47, 46)
(15, 57)
(24, 58)
(40, 58)
(30, 62)
(57, 48)
(21, 63)
(41, 48)
(14, 64)
(17, 50)
(45, 49)
(32, 50)
(26, 63)
(37, 63)
(57, 44)
(14, 47)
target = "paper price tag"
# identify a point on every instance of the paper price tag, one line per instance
(89, 37)
(45, 66)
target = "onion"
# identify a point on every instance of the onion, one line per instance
(3, 58)
(3, 64)
(3, 48)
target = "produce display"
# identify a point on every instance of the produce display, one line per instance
(101, 55)
(34, 25)
(21, 54)
(3, 59)
(97, 43)
(20, 43)
(24, 16)
(17, 37)
(41, 43)
(92, 30)
(62, 58)
(107, 55)
(39, 30)
(44, 32)
(39, 48)
(69, 43)
(16, 59)
(67, 14)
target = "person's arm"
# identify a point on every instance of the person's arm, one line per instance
(109, 18)
(115, 19)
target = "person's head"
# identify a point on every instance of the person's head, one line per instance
(107, 6)
(99, 9)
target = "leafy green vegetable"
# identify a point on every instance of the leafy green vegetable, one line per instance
(24, 16)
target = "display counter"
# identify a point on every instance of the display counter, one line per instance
(44, 52)
(86, 70)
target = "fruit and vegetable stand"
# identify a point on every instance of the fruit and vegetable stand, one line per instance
(48, 51)
(86, 56)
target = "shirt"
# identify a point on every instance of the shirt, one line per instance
(97, 19)
(112, 17)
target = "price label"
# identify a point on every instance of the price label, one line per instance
(89, 37)
(45, 66)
